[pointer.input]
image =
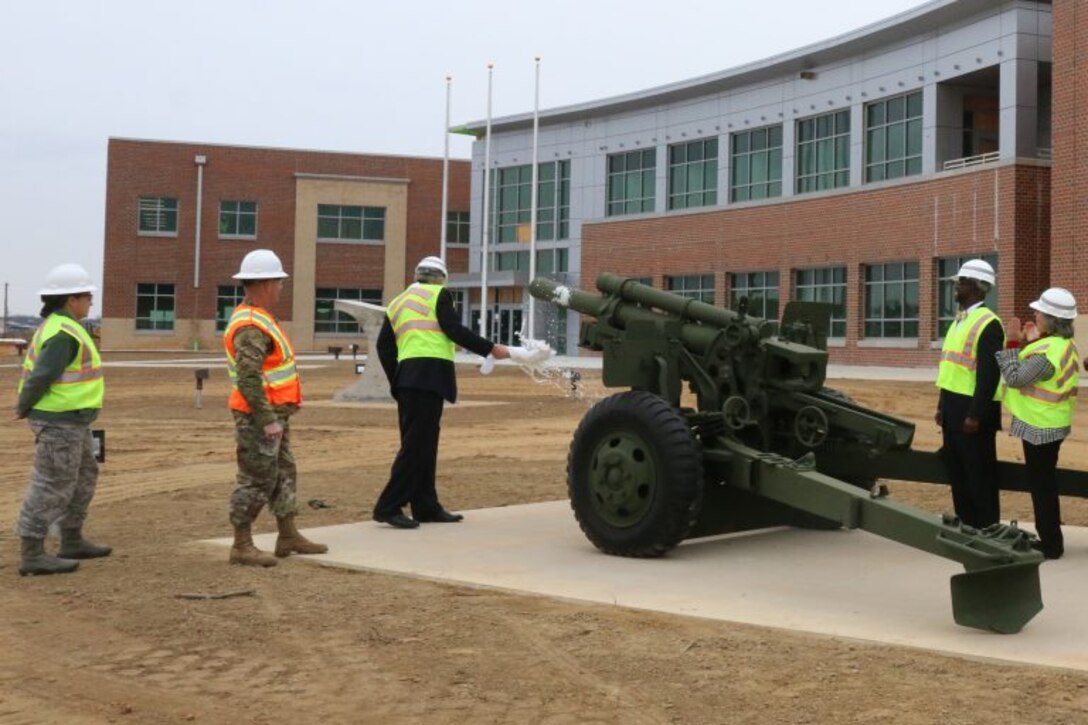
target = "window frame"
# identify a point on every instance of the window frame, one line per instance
(238, 213)
(159, 213)
(883, 282)
(884, 127)
(708, 165)
(156, 294)
(838, 323)
(342, 323)
(838, 175)
(553, 202)
(236, 293)
(458, 224)
(749, 285)
(618, 179)
(944, 283)
(748, 155)
(695, 286)
(341, 219)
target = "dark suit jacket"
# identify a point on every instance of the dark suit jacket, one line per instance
(428, 373)
(954, 408)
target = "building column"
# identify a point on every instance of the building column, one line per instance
(857, 144)
(1019, 108)
(789, 151)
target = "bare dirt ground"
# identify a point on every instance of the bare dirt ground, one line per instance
(111, 643)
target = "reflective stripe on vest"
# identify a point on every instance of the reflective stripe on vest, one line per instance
(414, 319)
(959, 353)
(81, 385)
(1048, 403)
(279, 372)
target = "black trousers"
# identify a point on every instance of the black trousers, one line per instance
(971, 460)
(411, 480)
(1042, 462)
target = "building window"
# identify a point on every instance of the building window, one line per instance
(154, 306)
(158, 215)
(893, 137)
(823, 152)
(458, 297)
(513, 202)
(761, 289)
(631, 182)
(227, 297)
(693, 174)
(648, 281)
(238, 219)
(328, 319)
(552, 261)
(825, 284)
(891, 300)
(756, 164)
(350, 223)
(694, 286)
(946, 288)
(457, 226)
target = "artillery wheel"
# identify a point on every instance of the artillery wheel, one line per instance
(635, 475)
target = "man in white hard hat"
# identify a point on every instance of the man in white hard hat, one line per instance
(265, 393)
(416, 348)
(968, 410)
(61, 389)
(1041, 368)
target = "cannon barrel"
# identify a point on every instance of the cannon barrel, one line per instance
(696, 337)
(685, 308)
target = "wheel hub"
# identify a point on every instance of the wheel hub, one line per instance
(622, 479)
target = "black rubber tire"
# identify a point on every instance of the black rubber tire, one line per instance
(662, 437)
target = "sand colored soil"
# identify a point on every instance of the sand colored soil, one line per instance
(112, 643)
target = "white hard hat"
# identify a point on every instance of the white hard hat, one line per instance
(978, 269)
(432, 265)
(67, 279)
(261, 264)
(1056, 302)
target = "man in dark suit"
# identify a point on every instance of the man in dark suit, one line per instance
(968, 410)
(416, 347)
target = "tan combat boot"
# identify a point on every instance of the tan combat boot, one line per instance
(245, 553)
(291, 541)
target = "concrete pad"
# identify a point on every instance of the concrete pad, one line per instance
(842, 583)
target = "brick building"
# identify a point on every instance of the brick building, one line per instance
(859, 171)
(180, 217)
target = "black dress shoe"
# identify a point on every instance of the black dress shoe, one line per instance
(397, 520)
(442, 516)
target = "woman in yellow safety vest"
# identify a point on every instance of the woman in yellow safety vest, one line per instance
(1041, 368)
(60, 393)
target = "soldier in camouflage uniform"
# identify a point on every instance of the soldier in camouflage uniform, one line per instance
(60, 393)
(266, 393)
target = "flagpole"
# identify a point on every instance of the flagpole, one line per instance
(533, 206)
(445, 175)
(487, 204)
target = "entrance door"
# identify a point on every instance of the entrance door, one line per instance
(509, 332)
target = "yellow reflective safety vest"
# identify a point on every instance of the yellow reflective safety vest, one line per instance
(1048, 403)
(81, 385)
(959, 353)
(415, 324)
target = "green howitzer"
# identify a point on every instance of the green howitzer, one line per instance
(766, 445)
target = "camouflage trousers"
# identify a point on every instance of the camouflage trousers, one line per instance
(63, 480)
(266, 472)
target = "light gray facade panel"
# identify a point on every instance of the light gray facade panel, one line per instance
(953, 49)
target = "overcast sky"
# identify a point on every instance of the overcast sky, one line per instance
(362, 76)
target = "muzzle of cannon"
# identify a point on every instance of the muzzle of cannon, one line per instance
(766, 444)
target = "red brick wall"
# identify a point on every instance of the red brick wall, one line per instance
(146, 168)
(1003, 209)
(1069, 218)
